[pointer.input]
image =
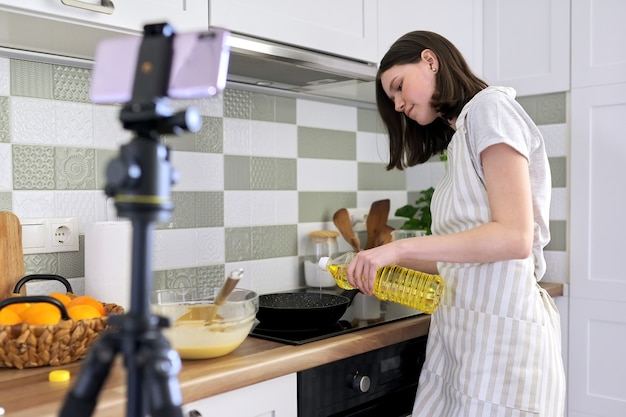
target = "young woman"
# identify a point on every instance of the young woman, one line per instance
(494, 342)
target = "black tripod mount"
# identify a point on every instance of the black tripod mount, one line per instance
(140, 180)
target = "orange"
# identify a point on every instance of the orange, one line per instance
(83, 312)
(41, 313)
(61, 297)
(8, 317)
(87, 300)
(17, 308)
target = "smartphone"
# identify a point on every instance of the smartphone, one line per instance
(199, 66)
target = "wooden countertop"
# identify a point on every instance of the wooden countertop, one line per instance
(27, 393)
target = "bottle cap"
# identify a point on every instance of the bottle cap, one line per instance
(323, 262)
(60, 375)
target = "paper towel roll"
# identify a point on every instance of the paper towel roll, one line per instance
(108, 256)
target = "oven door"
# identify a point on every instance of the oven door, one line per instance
(376, 383)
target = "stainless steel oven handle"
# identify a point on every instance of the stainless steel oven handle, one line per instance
(105, 6)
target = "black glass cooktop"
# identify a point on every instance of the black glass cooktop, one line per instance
(362, 313)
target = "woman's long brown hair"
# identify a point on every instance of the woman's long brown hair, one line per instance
(409, 142)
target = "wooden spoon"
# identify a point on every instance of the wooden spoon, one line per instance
(207, 312)
(342, 220)
(376, 221)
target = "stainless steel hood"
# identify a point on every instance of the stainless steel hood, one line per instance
(262, 65)
(255, 64)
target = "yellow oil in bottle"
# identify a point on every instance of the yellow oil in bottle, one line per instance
(400, 285)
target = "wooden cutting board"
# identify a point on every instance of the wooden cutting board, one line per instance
(11, 253)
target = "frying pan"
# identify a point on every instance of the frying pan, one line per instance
(299, 311)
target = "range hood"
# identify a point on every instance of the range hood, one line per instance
(263, 65)
(255, 64)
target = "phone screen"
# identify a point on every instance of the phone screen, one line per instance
(199, 66)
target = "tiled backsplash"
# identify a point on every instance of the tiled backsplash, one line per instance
(262, 172)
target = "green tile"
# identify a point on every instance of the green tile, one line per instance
(545, 108)
(75, 168)
(5, 120)
(71, 83)
(373, 176)
(274, 241)
(6, 201)
(558, 236)
(237, 104)
(183, 143)
(367, 120)
(286, 110)
(262, 107)
(211, 276)
(210, 138)
(262, 174)
(31, 79)
(237, 172)
(286, 172)
(184, 215)
(326, 144)
(558, 168)
(103, 157)
(41, 263)
(320, 206)
(238, 244)
(33, 167)
(210, 209)
(72, 264)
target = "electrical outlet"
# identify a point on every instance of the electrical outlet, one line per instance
(49, 235)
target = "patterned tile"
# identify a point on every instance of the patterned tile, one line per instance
(73, 124)
(237, 104)
(5, 201)
(75, 168)
(184, 215)
(209, 209)
(32, 121)
(31, 79)
(41, 263)
(71, 83)
(5, 120)
(72, 264)
(558, 168)
(262, 107)
(210, 138)
(238, 244)
(33, 168)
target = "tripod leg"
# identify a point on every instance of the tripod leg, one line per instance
(161, 374)
(81, 401)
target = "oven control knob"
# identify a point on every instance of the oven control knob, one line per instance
(361, 383)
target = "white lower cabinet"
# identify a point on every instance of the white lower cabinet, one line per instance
(277, 397)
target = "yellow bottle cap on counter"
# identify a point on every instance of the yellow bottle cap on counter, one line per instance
(60, 375)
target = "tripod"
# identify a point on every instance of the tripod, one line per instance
(140, 179)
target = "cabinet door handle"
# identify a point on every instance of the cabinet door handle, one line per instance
(105, 6)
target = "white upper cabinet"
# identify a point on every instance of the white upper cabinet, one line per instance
(347, 27)
(598, 34)
(73, 27)
(458, 21)
(527, 45)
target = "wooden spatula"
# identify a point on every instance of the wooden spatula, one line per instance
(342, 221)
(207, 312)
(376, 221)
(11, 253)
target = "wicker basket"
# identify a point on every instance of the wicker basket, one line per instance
(29, 346)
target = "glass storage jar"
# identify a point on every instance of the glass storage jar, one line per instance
(321, 243)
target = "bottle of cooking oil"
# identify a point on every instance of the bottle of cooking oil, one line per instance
(394, 283)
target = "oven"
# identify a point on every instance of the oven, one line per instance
(378, 383)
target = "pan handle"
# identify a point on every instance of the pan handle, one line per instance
(350, 294)
(27, 278)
